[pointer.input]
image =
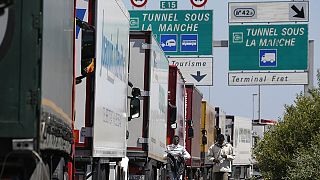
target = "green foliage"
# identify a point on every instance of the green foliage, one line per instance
(283, 149)
(307, 162)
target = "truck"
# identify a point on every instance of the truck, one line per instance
(104, 105)
(220, 121)
(37, 84)
(176, 107)
(193, 137)
(149, 71)
(239, 129)
(209, 134)
(259, 128)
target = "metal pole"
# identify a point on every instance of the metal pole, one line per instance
(253, 95)
(259, 106)
(209, 94)
(310, 67)
(252, 107)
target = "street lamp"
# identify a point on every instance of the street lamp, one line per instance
(253, 95)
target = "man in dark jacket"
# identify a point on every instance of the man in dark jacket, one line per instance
(176, 155)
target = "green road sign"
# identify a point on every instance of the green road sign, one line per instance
(168, 4)
(268, 47)
(179, 32)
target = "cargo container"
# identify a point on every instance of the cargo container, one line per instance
(176, 107)
(37, 80)
(208, 133)
(193, 137)
(220, 121)
(239, 129)
(148, 70)
(102, 110)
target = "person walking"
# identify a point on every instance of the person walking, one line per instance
(221, 154)
(176, 156)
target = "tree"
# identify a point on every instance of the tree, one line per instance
(291, 140)
(307, 162)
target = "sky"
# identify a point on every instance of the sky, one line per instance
(239, 100)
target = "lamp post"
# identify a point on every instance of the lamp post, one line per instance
(253, 95)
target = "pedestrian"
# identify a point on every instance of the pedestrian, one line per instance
(176, 156)
(221, 154)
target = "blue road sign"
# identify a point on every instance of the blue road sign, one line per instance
(189, 43)
(168, 42)
(268, 58)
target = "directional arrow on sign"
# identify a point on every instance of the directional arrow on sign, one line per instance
(300, 13)
(198, 77)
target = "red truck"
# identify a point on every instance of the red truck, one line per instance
(176, 108)
(193, 134)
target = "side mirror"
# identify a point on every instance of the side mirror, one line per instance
(173, 116)
(87, 49)
(204, 140)
(134, 108)
(190, 129)
(190, 132)
(88, 43)
(127, 134)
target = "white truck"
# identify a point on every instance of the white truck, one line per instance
(149, 70)
(102, 110)
(239, 131)
(268, 57)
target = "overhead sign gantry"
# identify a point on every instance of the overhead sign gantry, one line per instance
(264, 52)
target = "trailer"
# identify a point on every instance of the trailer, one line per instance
(176, 107)
(239, 129)
(102, 111)
(193, 137)
(37, 83)
(149, 70)
(209, 134)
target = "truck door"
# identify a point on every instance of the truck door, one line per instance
(19, 74)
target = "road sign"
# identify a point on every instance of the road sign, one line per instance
(192, 27)
(198, 3)
(279, 78)
(196, 70)
(168, 42)
(268, 47)
(189, 43)
(253, 12)
(139, 3)
(168, 4)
